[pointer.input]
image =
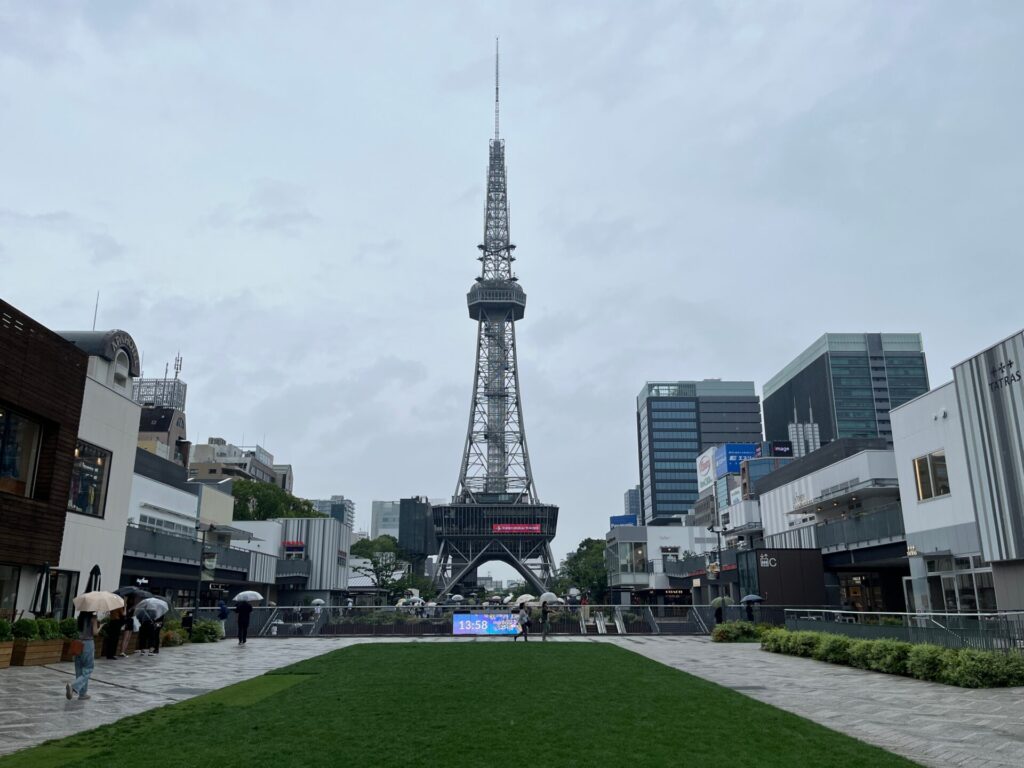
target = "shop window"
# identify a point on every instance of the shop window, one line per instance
(10, 575)
(89, 480)
(63, 588)
(19, 452)
(931, 475)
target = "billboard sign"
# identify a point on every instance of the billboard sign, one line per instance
(615, 520)
(515, 528)
(735, 496)
(485, 624)
(729, 456)
(706, 470)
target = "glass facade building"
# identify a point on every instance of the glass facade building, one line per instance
(676, 421)
(846, 384)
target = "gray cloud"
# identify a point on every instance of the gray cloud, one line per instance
(697, 191)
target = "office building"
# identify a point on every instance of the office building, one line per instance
(385, 519)
(217, 459)
(285, 477)
(631, 502)
(162, 428)
(676, 421)
(341, 509)
(38, 435)
(416, 535)
(844, 385)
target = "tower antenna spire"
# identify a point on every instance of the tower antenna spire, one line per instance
(497, 58)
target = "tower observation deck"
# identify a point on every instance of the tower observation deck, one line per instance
(495, 514)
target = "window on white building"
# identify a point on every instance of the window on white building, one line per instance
(931, 475)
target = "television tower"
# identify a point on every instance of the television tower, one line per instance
(495, 513)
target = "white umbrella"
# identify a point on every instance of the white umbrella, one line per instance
(525, 598)
(414, 601)
(548, 597)
(151, 608)
(318, 601)
(507, 600)
(98, 601)
(247, 597)
(574, 592)
(431, 604)
(457, 598)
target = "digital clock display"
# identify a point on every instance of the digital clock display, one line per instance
(485, 624)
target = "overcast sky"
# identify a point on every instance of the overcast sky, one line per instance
(291, 195)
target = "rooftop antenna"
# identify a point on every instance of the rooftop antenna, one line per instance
(96, 310)
(142, 365)
(496, 81)
(177, 365)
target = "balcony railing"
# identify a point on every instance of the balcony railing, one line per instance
(879, 526)
(147, 543)
(292, 568)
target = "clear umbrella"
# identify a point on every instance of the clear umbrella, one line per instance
(720, 602)
(752, 599)
(318, 601)
(249, 596)
(525, 598)
(548, 597)
(152, 608)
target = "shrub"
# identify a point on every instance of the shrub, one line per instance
(984, 669)
(49, 629)
(206, 632)
(172, 637)
(734, 632)
(774, 640)
(834, 649)
(803, 643)
(860, 654)
(68, 628)
(889, 656)
(929, 662)
(25, 629)
(5, 631)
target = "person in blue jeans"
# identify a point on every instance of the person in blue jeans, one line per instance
(88, 628)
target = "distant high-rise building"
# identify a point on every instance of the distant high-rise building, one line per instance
(384, 518)
(341, 509)
(844, 385)
(162, 421)
(678, 420)
(217, 459)
(631, 502)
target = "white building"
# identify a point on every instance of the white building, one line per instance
(947, 570)
(99, 497)
(635, 556)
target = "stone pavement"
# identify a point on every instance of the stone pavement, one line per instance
(935, 725)
(932, 724)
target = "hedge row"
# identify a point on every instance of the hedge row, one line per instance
(739, 632)
(966, 667)
(39, 629)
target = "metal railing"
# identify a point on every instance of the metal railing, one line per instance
(879, 525)
(982, 631)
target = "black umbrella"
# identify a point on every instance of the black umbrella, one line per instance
(94, 580)
(133, 592)
(41, 604)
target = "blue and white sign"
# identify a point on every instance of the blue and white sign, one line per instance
(615, 520)
(485, 624)
(729, 456)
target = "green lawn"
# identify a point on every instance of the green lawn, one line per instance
(465, 704)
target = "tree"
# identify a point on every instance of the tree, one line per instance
(264, 501)
(383, 566)
(585, 569)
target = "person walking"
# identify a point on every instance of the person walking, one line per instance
(750, 611)
(112, 634)
(222, 617)
(545, 621)
(244, 610)
(86, 660)
(127, 627)
(524, 622)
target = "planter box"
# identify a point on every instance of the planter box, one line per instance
(32, 653)
(6, 648)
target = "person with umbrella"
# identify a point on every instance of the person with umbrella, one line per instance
(88, 605)
(150, 613)
(749, 601)
(243, 608)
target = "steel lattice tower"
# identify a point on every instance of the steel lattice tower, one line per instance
(495, 513)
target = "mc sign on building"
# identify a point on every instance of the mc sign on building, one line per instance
(990, 393)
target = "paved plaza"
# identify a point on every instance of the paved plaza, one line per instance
(932, 724)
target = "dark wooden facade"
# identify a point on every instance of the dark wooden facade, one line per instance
(43, 377)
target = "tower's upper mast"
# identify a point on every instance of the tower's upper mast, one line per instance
(497, 250)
